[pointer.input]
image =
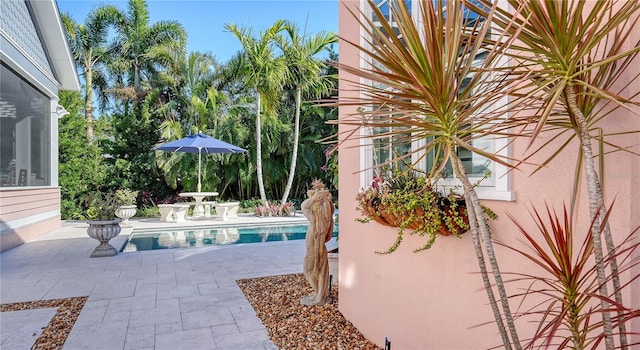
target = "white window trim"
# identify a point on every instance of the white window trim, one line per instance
(501, 187)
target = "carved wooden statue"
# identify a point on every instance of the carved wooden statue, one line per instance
(318, 208)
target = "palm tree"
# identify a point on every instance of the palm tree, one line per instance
(427, 81)
(577, 51)
(140, 44)
(190, 79)
(88, 43)
(186, 78)
(304, 72)
(265, 73)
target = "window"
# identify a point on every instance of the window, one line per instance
(381, 150)
(25, 128)
(383, 5)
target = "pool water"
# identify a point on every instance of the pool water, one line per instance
(202, 237)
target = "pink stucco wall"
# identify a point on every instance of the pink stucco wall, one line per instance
(435, 299)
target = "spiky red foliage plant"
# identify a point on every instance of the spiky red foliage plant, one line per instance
(568, 288)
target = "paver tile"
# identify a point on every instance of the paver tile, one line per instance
(97, 336)
(20, 329)
(109, 290)
(248, 322)
(140, 338)
(258, 339)
(180, 291)
(131, 304)
(193, 339)
(229, 328)
(206, 318)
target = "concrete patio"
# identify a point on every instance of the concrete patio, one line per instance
(162, 299)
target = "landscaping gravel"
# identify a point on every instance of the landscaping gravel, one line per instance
(276, 300)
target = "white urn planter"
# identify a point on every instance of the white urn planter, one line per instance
(103, 231)
(125, 212)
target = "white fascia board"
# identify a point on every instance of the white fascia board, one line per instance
(55, 42)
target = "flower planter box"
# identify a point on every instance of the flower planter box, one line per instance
(415, 219)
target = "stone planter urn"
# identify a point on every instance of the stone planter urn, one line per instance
(125, 212)
(103, 231)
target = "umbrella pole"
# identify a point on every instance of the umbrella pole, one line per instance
(199, 184)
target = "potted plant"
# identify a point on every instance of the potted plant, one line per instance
(103, 226)
(127, 207)
(411, 202)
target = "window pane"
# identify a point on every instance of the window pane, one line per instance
(25, 117)
(383, 5)
(476, 165)
(389, 147)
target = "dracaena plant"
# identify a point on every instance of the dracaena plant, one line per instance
(568, 313)
(577, 55)
(440, 81)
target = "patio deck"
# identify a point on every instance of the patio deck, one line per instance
(163, 299)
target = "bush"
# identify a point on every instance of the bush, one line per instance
(250, 203)
(80, 168)
(149, 212)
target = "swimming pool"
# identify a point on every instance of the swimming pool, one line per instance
(202, 237)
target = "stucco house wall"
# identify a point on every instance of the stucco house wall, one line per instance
(34, 51)
(435, 299)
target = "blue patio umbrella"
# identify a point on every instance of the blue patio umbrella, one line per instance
(199, 143)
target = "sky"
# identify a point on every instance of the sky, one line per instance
(204, 20)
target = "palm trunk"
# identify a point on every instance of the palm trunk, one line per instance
(88, 115)
(225, 187)
(88, 105)
(136, 78)
(597, 212)
(263, 195)
(294, 154)
(479, 226)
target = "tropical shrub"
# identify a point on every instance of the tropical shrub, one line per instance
(101, 206)
(80, 163)
(148, 212)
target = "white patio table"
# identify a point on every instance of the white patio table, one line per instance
(198, 210)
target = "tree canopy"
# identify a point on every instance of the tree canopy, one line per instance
(151, 91)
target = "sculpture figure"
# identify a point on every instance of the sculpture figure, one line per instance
(318, 208)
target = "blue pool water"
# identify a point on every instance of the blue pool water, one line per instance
(202, 237)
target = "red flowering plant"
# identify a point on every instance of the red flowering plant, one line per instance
(330, 166)
(368, 200)
(275, 209)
